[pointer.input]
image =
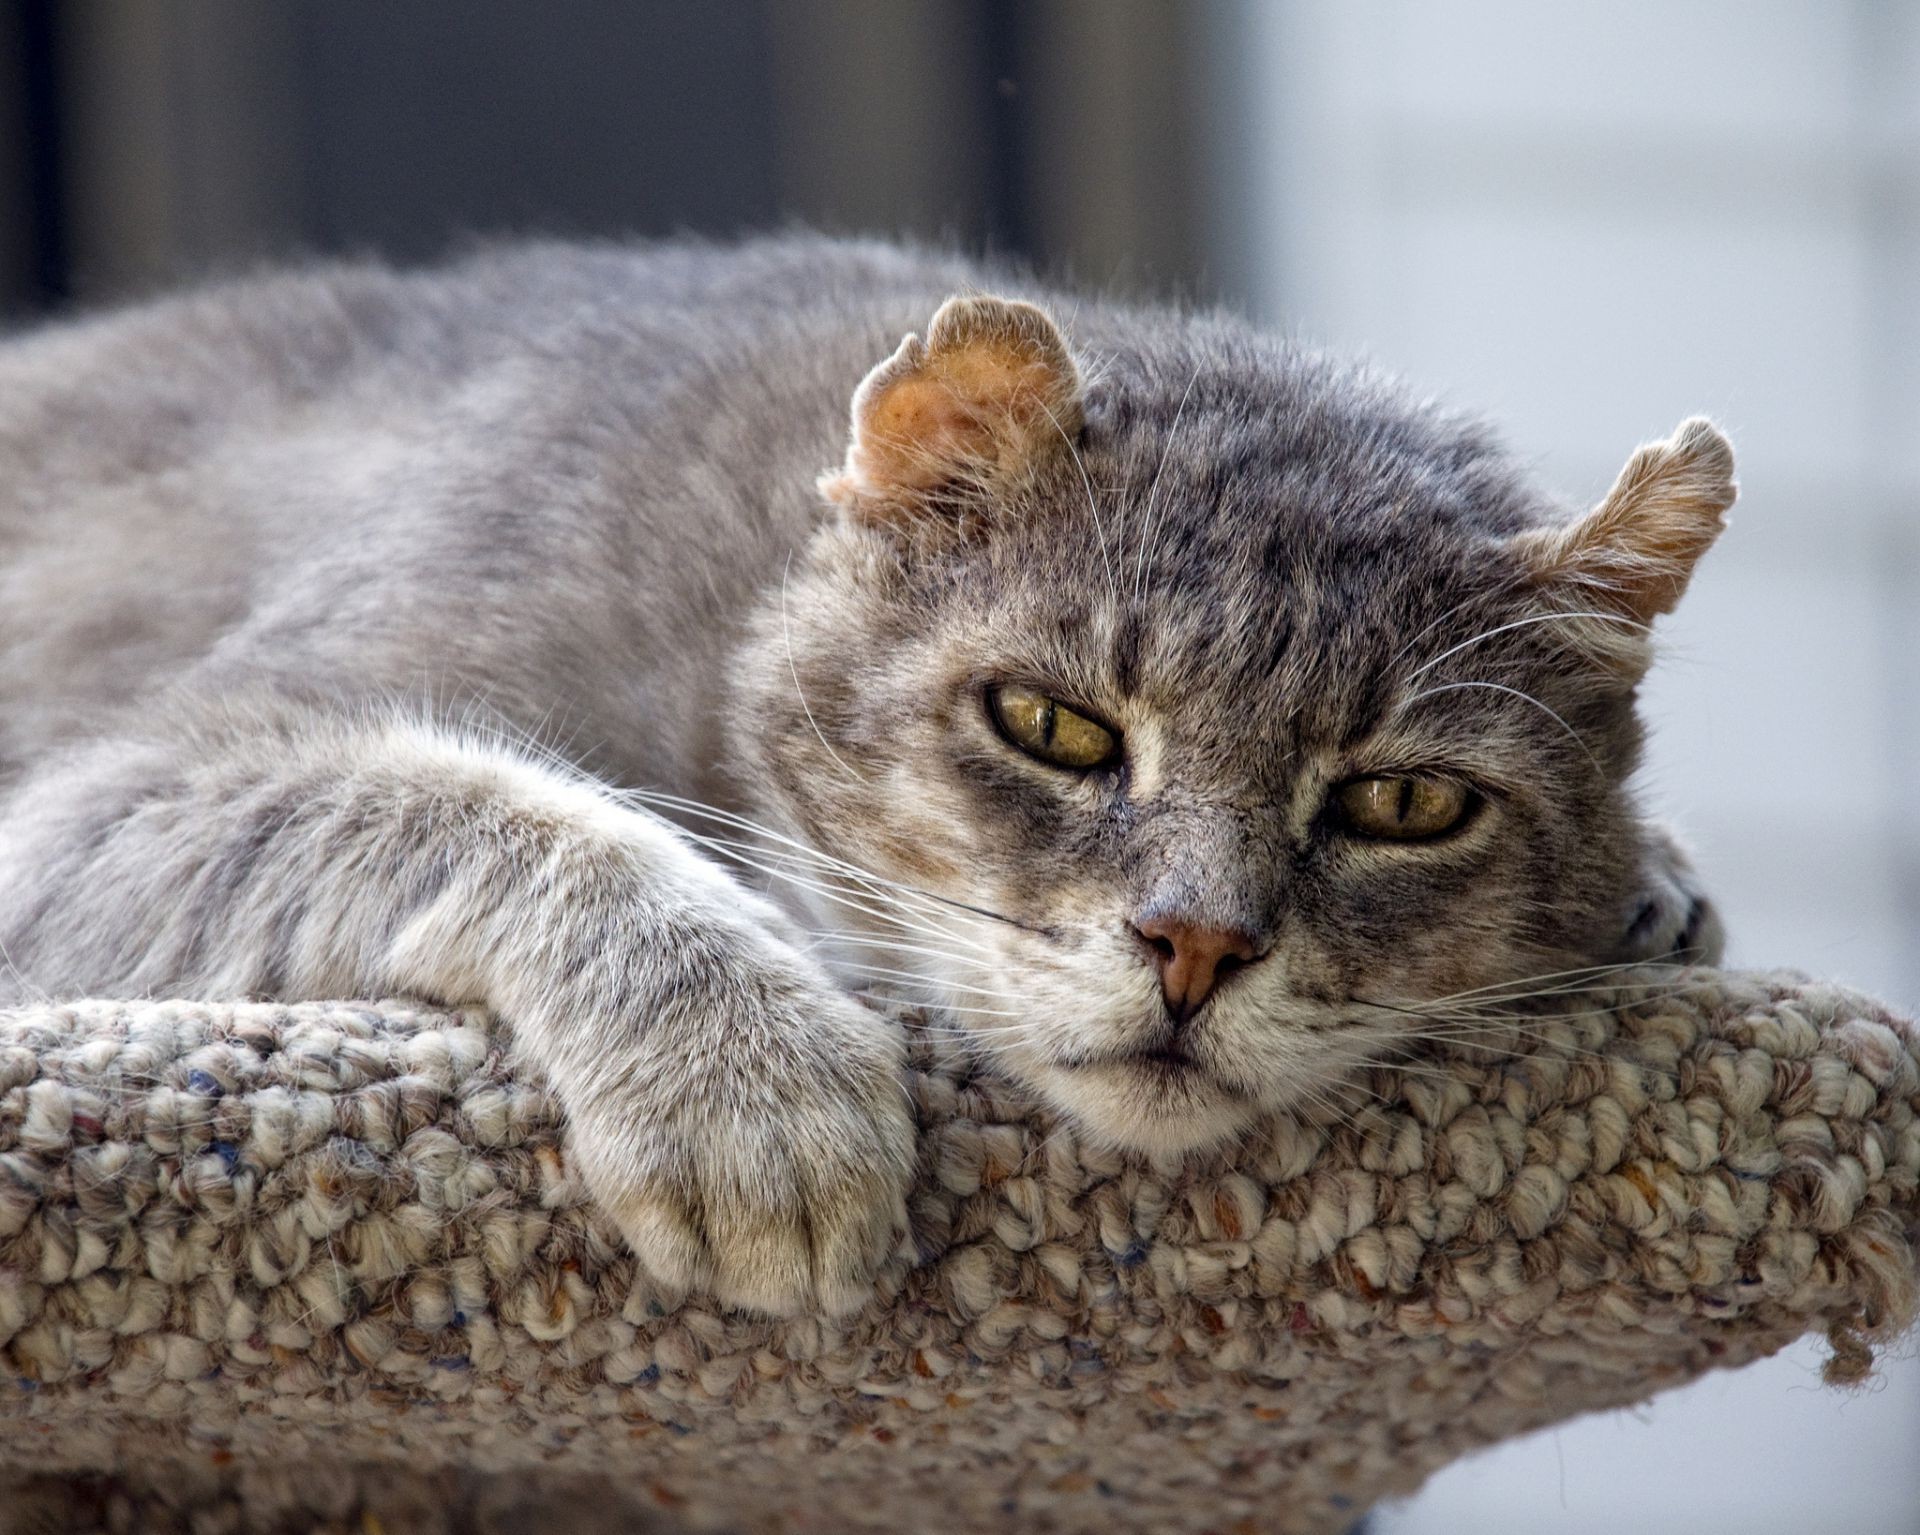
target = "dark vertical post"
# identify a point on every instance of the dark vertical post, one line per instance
(1003, 34)
(42, 254)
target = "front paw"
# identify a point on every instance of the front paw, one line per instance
(758, 1147)
(1671, 918)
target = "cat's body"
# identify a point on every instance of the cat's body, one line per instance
(288, 567)
(560, 476)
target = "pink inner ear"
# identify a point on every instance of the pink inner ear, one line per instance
(1637, 549)
(985, 398)
(917, 432)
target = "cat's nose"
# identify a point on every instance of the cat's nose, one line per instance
(1192, 959)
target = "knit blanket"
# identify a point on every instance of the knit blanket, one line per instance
(327, 1263)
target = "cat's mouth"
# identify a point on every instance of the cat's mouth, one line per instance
(1166, 1060)
(1160, 1099)
(1171, 1063)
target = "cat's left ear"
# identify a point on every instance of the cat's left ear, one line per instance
(1634, 553)
(989, 397)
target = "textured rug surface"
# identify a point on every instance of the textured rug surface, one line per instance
(324, 1267)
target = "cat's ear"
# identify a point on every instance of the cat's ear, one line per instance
(990, 396)
(1634, 553)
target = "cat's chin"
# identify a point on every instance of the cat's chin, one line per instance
(1132, 1106)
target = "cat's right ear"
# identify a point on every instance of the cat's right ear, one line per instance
(1629, 559)
(989, 398)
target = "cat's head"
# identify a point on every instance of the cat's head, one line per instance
(1195, 729)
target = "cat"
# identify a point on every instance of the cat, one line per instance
(649, 643)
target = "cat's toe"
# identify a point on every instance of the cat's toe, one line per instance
(663, 1233)
(1673, 919)
(764, 1219)
(796, 1252)
(848, 1247)
(1703, 936)
(818, 1258)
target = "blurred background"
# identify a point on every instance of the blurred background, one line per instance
(1588, 220)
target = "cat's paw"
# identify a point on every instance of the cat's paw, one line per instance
(761, 1151)
(1671, 918)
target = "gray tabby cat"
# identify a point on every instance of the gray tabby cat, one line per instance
(1185, 712)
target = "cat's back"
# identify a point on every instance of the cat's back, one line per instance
(260, 463)
(152, 387)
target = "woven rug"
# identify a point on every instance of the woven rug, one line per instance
(324, 1267)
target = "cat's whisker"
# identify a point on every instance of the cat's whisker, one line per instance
(793, 670)
(1527, 622)
(496, 729)
(1346, 1075)
(1517, 1025)
(1153, 490)
(1492, 1042)
(875, 882)
(841, 896)
(1580, 972)
(1521, 994)
(988, 1040)
(1560, 1050)
(892, 945)
(746, 853)
(841, 891)
(1004, 1031)
(882, 889)
(1469, 1028)
(1093, 506)
(1445, 616)
(701, 810)
(1525, 697)
(1496, 1039)
(1405, 1068)
(974, 1042)
(949, 1007)
(1496, 1035)
(1028, 1030)
(930, 983)
(1328, 1107)
(897, 942)
(1464, 1014)
(28, 991)
(1507, 1016)
(711, 812)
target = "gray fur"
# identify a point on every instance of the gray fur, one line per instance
(352, 623)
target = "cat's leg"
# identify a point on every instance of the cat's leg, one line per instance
(739, 1117)
(1671, 916)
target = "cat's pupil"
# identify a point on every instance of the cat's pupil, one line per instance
(1048, 730)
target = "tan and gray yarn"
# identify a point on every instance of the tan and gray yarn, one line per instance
(324, 1266)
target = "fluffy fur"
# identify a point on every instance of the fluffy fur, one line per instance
(295, 573)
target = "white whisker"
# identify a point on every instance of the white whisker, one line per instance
(1579, 977)
(981, 1012)
(794, 670)
(840, 895)
(726, 817)
(930, 982)
(892, 945)
(1093, 508)
(1522, 623)
(1153, 490)
(1498, 687)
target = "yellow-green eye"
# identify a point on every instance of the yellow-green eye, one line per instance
(1045, 728)
(1403, 808)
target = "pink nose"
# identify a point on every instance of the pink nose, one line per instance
(1192, 960)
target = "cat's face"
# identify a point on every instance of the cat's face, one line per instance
(1206, 754)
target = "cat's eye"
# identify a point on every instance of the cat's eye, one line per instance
(1044, 727)
(1403, 808)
